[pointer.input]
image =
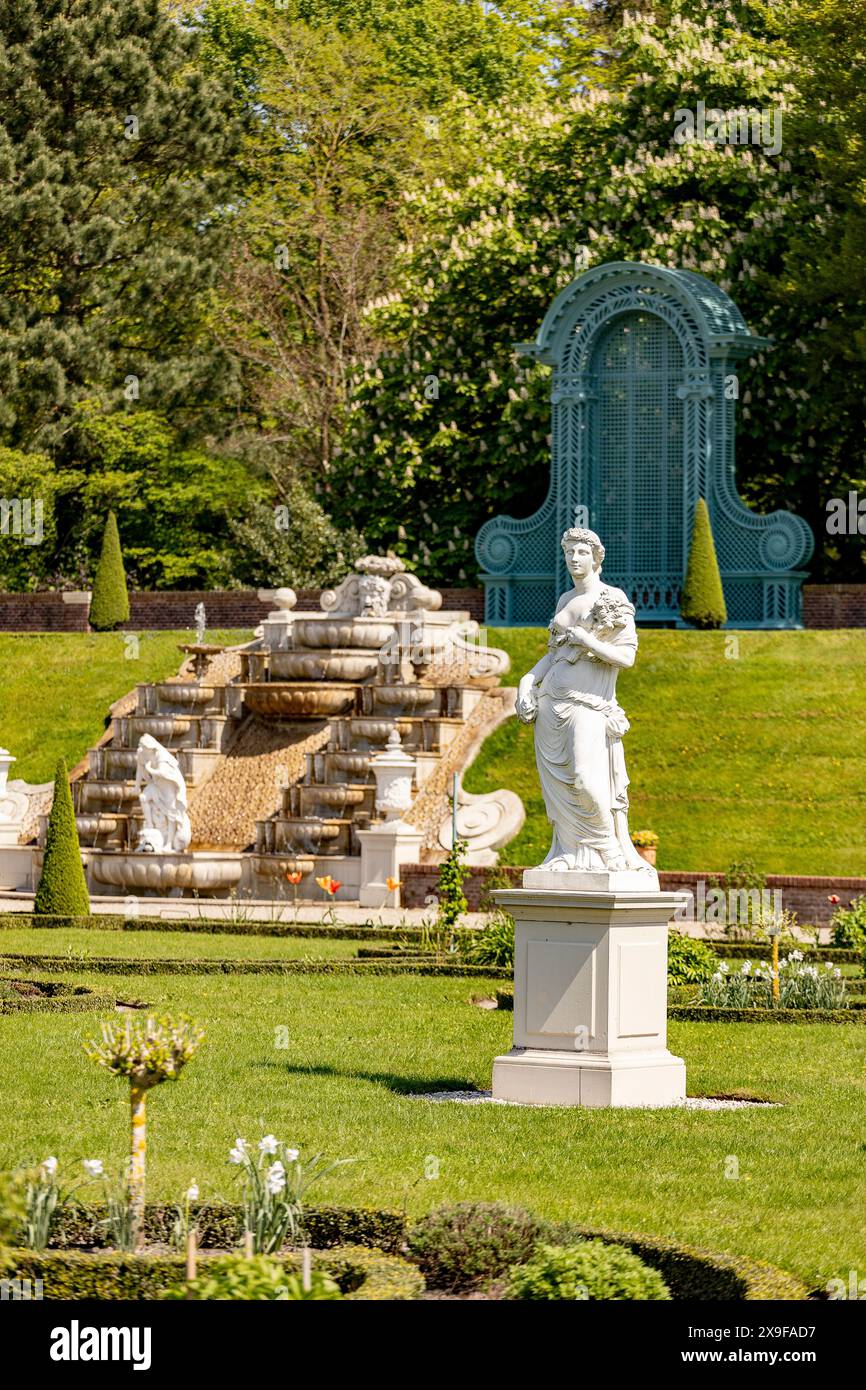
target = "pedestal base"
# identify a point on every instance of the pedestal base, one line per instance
(561, 1078)
(590, 996)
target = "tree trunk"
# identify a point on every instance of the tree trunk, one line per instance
(137, 1096)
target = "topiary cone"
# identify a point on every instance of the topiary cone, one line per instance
(109, 601)
(62, 887)
(703, 598)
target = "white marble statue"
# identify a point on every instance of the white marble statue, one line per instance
(570, 696)
(161, 792)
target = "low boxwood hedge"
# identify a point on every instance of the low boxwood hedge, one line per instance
(744, 950)
(207, 926)
(220, 1226)
(57, 997)
(72, 1275)
(693, 1273)
(706, 1013)
(138, 965)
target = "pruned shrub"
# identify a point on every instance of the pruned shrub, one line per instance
(703, 599)
(590, 1270)
(253, 1280)
(109, 601)
(462, 1246)
(689, 961)
(62, 886)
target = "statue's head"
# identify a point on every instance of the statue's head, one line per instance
(578, 542)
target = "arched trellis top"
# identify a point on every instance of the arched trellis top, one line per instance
(712, 314)
(643, 418)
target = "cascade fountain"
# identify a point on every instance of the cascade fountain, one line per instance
(335, 733)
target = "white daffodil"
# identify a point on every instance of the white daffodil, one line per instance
(268, 1145)
(93, 1167)
(239, 1152)
(49, 1166)
(276, 1178)
(192, 1193)
(292, 1155)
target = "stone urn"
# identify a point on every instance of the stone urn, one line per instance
(394, 770)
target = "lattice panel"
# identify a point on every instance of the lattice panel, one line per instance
(638, 447)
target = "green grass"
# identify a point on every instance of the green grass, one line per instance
(152, 945)
(759, 756)
(55, 688)
(359, 1048)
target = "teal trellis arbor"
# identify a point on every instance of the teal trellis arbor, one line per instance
(643, 398)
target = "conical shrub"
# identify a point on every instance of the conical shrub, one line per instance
(109, 601)
(703, 599)
(62, 887)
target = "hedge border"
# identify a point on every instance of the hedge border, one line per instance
(744, 950)
(67, 999)
(692, 1272)
(220, 1225)
(362, 1273)
(208, 926)
(374, 1236)
(707, 1013)
(136, 965)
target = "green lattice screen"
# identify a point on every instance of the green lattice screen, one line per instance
(637, 450)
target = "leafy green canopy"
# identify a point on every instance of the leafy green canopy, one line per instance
(447, 428)
(115, 176)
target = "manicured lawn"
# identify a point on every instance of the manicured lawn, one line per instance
(172, 945)
(55, 688)
(759, 756)
(358, 1049)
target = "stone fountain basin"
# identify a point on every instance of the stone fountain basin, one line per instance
(323, 666)
(98, 793)
(286, 701)
(161, 873)
(404, 696)
(338, 633)
(337, 794)
(379, 730)
(159, 726)
(277, 866)
(185, 693)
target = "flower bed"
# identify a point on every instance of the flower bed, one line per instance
(130, 965)
(19, 996)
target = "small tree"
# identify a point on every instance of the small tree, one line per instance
(109, 602)
(703, 600)
(147, 1053)
(62, 889)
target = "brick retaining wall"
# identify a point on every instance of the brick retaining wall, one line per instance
(834, 605)
(175, 609)
(824, 606)
(808, 897)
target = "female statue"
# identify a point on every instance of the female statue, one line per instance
(570, 696)
(161, 791)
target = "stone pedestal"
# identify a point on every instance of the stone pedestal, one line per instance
(383, 850)
(590, 997)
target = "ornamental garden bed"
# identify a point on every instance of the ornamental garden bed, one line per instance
(465, 1250)
(49, 996)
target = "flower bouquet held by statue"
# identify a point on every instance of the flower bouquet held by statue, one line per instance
(570, 697)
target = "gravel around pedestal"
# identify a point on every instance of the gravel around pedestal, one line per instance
(690, 1103)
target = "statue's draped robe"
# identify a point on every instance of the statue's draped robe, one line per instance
(578, 748)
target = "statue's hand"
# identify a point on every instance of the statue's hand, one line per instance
(577, 637)
(527, 700)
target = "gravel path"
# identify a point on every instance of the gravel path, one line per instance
(691, 1102)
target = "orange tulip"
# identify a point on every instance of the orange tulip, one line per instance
(293, 876)
(328, 884)
(392, 884)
